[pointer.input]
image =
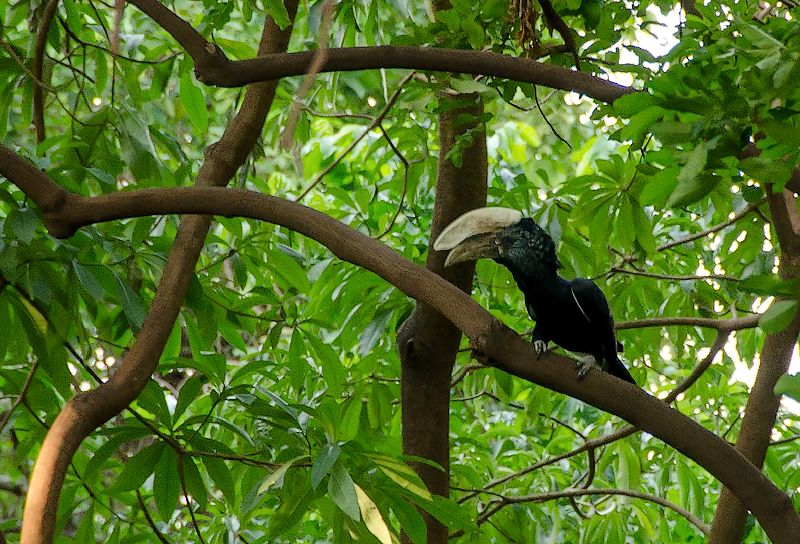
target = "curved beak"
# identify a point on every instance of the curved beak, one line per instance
(478, 246)
(473, 235)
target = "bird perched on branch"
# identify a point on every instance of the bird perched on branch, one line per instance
(572, 314)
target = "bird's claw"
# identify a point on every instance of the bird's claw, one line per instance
(584, 364)
(539, 346)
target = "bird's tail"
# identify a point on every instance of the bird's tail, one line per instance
(616, 368)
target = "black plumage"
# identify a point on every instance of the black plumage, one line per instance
(572, 314)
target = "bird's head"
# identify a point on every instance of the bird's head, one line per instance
(501, 234)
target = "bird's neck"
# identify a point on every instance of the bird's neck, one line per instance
(541, 285)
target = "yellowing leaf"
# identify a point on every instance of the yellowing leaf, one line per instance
(372, 517)
(276, 476)
(406, 484)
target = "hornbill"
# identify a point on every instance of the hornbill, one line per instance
(572, 314)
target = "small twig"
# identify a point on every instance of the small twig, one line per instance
(46, 18)
(406, 165)
(375, 122)
(21, 397)
(466, 369)
(672, 277)
(495, 506)
(182, 477)
(150, 521)
(716, 228)
(732, 324)
(546, 120)
(784, 440)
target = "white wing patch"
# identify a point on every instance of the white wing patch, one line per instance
(579, 305)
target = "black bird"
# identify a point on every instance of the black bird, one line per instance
(572, 314)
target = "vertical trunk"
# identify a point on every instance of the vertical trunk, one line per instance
(762, 406)
(428, 343)
(759, 417)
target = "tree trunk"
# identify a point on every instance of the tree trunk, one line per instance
(762, 407)
(428, 342)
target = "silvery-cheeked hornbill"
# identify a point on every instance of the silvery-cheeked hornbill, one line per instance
(572, 314)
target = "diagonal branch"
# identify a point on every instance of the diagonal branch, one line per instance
(512, 354)
(495, 506)
(206, 55)
(86, 412)
(593, 444)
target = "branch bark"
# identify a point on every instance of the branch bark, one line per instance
(86, 412)
(512, 354)
(212, 67)
(427, 341)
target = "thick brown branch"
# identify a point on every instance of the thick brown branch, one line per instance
(460, 61)
(214, 68)
(771, 507)
(85, 412)
(594, 443)
(555, 21)
(206, 55)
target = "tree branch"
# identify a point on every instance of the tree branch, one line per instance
(511, 353)
(593, 444)
(48, 13)
(86, 412)
(495, 506)
(716, 228)
(214, 68)
(732, 324)
(206, 55)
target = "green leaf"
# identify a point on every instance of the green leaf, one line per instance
(410, 520)
(138, 468)
(778, 316)
(351, 420)
(188, 392)
(22, 224)
(86, 529)
(167, 484)
(767, 170)
(691, 185)
(89, 281)
(631, 104)
(221, 476)
(277, 10)
(323, 463)
(769, 284)
(671, 132)
(788, 385)
(342, 491)
(195, 486)
(276, 477)
(153, 400)
(373, 332)
(193, 102)
(131, 303)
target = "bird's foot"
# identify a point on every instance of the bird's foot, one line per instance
(539, 346)
(585, 363)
